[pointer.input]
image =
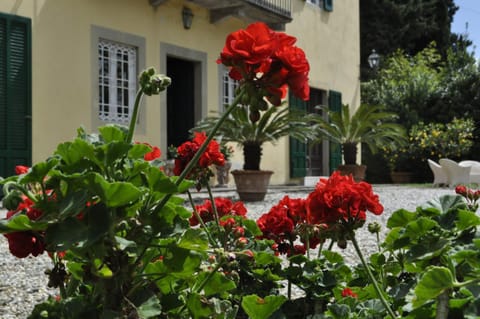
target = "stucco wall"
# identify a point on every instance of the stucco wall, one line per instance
(62, 93)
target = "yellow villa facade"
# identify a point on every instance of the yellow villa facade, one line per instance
(59, 58)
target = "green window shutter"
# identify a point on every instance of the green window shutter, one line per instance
(328, 5)
(298, 149)
(335, 105)
(15, 93)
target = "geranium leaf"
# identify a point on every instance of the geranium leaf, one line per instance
(20, 222)
(74, 152)
(61, 236)
(198, 306)
(72, 204)
(434, 281)
(116, 194)
(448, 202)
(150, 308)
(261, 308)
(115, 151)
(159, 182)
(420, 226)
(138, 151)
(466, 219)
(112, 133)
(217, 283)
(101, 269)
(194, 239)
(400, 218)
(38, 171)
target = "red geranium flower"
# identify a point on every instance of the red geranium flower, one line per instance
(224, 207)
(187, 150)
(347, 292)
(340, 199)
(22, 244)
(153, 154)
(20, 169)
(267, 61)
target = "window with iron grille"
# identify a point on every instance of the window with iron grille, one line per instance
(117, 80)
(229, 87)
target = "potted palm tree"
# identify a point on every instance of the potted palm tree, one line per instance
(369, 124)
(272, 124)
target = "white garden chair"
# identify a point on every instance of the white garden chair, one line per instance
(456, 174)
(439, 173)
(474, 170)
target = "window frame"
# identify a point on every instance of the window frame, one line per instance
(98, 34)
(225, 98)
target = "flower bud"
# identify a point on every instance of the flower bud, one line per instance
(374, 228)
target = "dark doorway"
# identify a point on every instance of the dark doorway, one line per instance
(180, 100)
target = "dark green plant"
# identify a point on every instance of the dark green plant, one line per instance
(273, 124)
(369, 124)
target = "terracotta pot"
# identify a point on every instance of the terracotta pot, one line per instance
(357, 171)
(401, 177)
(251, 185)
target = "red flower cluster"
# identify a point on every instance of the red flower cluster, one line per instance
(212, 155)
(280, 224)
(468, 193)
(268, 61)
(22, 244)
(340, 200)
(20, 169)
(471, 196)
(224, 207)
(153, 154)
(347, 292)
(337, 206)
(187, 150)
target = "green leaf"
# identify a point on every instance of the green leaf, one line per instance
(400, 218)
(467, 219)
(264, 259)
(115, 151)
(332, 256)
(62, 237)
(252, 227)
(194, 239)
(434, 281)
(159, 182)
(448, 202)
(112, 133)
(261, 308)
(199, 307)
(420, 226)
(38, 171)
(20, 222)
(115, 194)
(75, 152)
(138, 151)
(150, 308)
(182, 262)
(216, 284)
(72, 204)
(339, 311)
(101, 270)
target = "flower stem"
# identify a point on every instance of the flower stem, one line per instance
(133, 121)
(200, 220)
(371, 277)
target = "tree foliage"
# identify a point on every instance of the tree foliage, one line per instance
(410, 25)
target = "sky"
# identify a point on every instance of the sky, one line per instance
(468, 14)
